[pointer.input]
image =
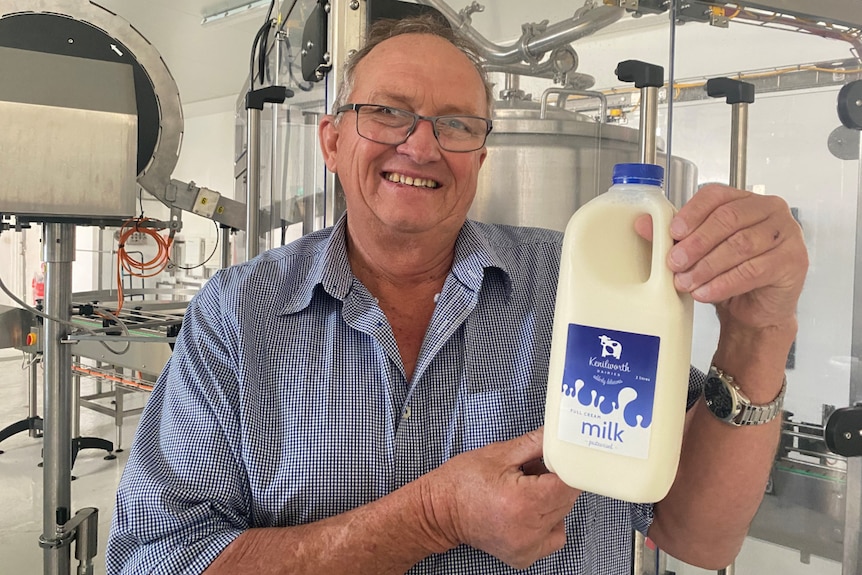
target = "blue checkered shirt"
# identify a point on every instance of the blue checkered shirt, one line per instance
(285, 402)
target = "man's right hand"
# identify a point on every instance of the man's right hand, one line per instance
(489, 499)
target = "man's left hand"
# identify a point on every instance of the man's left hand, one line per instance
(741, 251)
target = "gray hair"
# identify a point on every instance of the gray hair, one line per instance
(425, 24)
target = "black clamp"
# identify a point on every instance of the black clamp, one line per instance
(850, 105)
(843, 431)
(643, 74)
(736, 91)
(269, 95)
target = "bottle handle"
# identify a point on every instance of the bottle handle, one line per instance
(661, 213)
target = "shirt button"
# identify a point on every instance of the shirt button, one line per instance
(407, 412)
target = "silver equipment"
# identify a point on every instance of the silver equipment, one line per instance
(95, 145)
(545, 161)
(542, 167)
(87, 153)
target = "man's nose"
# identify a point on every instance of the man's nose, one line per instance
(422, 144)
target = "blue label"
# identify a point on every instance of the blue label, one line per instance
(608, 390)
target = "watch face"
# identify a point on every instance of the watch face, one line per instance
(719, 398)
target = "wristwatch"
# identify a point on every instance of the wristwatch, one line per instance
(727, 402)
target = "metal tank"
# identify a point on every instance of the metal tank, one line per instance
(541, 167)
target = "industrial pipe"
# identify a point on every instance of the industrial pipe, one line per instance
(529, 49)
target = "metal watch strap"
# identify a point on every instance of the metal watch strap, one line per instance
(753, 414)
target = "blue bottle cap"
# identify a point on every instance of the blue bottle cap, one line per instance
(649, 174)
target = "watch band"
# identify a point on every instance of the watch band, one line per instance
(744, 412)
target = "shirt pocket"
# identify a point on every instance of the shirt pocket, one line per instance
(501, 412)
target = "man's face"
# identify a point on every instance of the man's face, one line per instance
(426, 75)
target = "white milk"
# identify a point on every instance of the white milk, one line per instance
(621, 347)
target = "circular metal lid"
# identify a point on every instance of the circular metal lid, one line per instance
(520, 109)
(87, 30)
(521, 117)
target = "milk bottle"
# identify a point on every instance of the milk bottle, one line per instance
(621, 346)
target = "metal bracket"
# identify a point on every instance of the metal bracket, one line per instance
(466, 12)
(83, 528)
(316, 57)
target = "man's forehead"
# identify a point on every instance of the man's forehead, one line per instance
(417, 79)
(429, 46)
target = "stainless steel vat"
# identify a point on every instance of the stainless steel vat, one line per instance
(539, 170)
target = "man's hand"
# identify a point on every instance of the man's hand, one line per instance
(490, 499)
(741, 251)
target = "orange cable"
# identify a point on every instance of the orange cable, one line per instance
(135, 268)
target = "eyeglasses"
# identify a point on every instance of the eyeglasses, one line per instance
(392, 126)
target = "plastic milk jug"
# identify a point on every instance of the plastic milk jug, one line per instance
(621, 347)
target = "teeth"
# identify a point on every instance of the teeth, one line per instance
(407, 180)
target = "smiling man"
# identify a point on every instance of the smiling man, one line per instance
(369, 399)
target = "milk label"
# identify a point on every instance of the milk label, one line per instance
(608, 390)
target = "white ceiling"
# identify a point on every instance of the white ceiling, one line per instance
(207, 62)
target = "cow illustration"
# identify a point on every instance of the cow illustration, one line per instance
(610, 347)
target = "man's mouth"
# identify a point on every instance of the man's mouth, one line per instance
(408, 181)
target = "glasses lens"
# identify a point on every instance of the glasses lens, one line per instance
(461, 133)
(383, 124)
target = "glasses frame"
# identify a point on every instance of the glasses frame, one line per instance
(416, 117)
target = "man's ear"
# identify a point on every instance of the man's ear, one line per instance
(482, 156)
(327, 133)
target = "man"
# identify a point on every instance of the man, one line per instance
(369, 399)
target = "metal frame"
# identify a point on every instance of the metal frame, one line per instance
(847, 12)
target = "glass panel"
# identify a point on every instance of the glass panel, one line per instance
(299, 185)
(292, 182)
(796, 150)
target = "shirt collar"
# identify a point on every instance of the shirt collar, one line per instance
(330, 267)
(473, 255)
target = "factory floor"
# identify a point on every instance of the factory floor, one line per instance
(21, 478)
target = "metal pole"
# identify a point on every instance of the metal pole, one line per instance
(638, 552)
(59, 252)
(22, 238)
(100, 246)
(853, 487)
(314, 202)
(252, 205)
(737, 179)
(648, 124)
(739, 146)
(225, 248)
(32, 409)
(852, 518)
(76, 401)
